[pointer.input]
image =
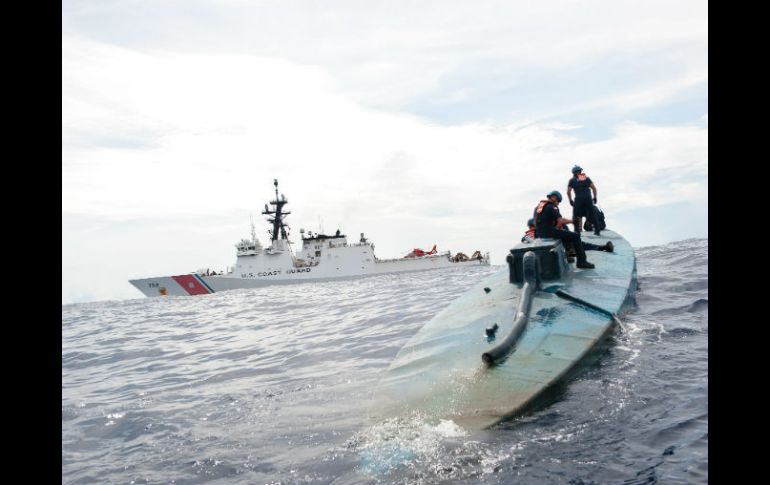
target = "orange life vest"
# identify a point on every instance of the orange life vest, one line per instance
(541, 206)
(539, 210)
(530, 232)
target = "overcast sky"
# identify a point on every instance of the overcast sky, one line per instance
(415, 122)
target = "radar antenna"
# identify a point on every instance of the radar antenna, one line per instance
(277, 215)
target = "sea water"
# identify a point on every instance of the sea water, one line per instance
(271, 385)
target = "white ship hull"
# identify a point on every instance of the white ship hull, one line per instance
(197, 284)
(321, 258)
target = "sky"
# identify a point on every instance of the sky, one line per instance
(414, 122)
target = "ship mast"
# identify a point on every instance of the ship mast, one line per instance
(277, 214)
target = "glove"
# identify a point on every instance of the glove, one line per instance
(571, 203)
(594, 200)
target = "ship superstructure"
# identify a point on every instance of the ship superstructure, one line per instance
(322, 257)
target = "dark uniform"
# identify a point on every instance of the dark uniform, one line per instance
(587, 245)
(546, 215)
(584, 205)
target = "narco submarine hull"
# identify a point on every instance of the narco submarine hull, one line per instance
(493, 352)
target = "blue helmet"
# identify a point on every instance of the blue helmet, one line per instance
(555, 193)
(531, 221)
(577, 169)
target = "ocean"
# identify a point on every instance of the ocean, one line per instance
(272, 386)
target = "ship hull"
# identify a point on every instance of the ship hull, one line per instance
(198, 284)
(439, 373)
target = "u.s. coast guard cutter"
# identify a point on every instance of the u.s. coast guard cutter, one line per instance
(322, 257)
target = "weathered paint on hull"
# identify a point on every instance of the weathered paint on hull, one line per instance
(439, 372)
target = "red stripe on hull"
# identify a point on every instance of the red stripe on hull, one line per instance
(191, 285)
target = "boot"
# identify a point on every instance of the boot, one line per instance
(609, 247)
(597, 233)
(570, 259)
(585, 265)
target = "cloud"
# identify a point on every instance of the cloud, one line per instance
(416, 123)
(391, 55)
(205, 135)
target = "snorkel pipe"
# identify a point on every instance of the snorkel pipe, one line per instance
(531, 273)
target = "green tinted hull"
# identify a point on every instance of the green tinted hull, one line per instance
(439, 373)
